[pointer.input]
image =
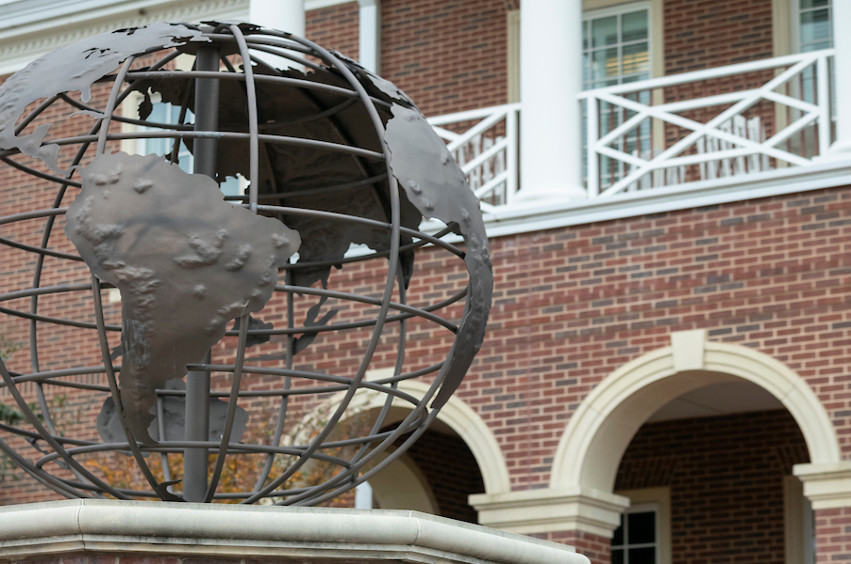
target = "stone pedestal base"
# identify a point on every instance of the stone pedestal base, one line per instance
(94, 531)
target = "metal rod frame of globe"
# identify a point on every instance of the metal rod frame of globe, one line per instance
(251, 46)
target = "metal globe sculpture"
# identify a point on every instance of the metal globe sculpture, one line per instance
(170, 341)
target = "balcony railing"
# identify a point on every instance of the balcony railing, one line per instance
(711, 126)
(485, 143)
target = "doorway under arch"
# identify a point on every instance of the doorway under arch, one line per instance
(589, 452)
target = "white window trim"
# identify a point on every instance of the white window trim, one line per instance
(660, 500)
(797, 523)
(513, 55)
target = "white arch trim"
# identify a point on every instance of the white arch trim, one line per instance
(459, 416)
(594, 440)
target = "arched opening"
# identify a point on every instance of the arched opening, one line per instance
(456, 457)
(402, 485)
(597, 435)
(711, 471)
(729, 421)
(438, 466)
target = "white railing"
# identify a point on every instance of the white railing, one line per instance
(484, 143)
(714, 126)
(708, 125)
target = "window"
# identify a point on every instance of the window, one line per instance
(813, 25)
(163, 112)
(635, 541)
(616, 46)
(644, 536)
(616, 50)
(811, 30)
(626, 45)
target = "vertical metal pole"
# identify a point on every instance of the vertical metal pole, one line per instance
(198, 382)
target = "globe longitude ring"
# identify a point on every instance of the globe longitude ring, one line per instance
(217, 284)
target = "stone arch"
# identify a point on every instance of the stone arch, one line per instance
(597, 435)
(455, 414)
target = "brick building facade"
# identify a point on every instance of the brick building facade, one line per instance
(676, 349)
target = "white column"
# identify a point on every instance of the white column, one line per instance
(841, 16)
(285, 15)
(550, 117)
(369, 18)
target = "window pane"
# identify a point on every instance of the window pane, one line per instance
(617, 557)
(642, 555)
(815, 28)
(604, 64)
(604, 31)
(641, 527)
(619, 51)
(617, 539)
(231, 186)
(635, 60)
(813, 3)
(634, 26)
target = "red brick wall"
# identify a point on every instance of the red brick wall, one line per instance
(573, 304)
(597, 549)
(725, 476)
(702, 34)
(447, 55)
(335, 27)
(833, 541)
(450, 55)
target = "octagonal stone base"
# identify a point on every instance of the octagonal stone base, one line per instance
(93, 531)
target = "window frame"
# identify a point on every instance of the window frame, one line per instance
(618, 10)
(658, 498)
(786, 29)
(798, 523)
(795, 23)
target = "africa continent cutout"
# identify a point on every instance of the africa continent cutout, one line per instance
(185, 261)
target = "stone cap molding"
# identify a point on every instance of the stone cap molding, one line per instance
(827, 486)
(548, 510)
(286, 533)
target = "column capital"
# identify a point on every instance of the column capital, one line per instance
(551, 510)
(826, 485)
